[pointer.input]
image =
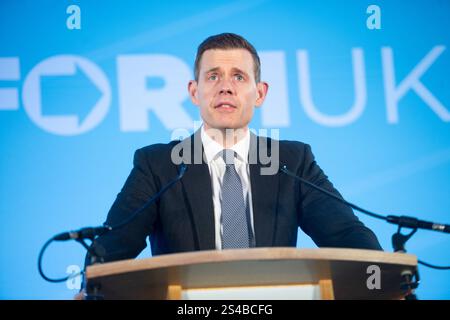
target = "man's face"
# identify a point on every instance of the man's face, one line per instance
(226, 91)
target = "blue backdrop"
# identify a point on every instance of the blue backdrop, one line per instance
(82, 87)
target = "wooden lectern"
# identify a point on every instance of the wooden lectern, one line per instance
(259, 273)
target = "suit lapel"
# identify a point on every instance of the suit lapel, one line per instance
(264, 193)
(198, 192)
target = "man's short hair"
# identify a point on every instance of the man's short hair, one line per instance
(226, 41)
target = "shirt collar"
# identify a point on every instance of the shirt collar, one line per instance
(212, 148)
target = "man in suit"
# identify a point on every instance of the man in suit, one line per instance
(225, 199)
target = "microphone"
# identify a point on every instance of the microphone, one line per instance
(398, 239)
(414, 223)
(84, 233)
(92, 232)
(402, 221)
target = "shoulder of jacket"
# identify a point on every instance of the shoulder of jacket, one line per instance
(292, 145)
(157, 150)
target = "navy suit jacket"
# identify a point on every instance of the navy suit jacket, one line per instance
(183, 218)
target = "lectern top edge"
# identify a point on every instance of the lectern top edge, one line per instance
(211, 256)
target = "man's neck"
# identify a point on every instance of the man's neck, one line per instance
(226, 137)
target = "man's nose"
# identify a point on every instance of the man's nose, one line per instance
(226, 87)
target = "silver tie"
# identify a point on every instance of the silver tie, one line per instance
(234, 210)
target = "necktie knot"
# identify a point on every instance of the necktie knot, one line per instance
(228, 156)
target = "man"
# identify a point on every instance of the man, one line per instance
(224, 200)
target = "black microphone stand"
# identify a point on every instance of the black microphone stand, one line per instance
(408, 285)
(92, 290)
(95, 251)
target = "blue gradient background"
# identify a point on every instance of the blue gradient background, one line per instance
(50, 183)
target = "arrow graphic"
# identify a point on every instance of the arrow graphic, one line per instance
(57, 94)
(71, 94)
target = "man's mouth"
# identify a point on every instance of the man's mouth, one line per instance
(225, 106)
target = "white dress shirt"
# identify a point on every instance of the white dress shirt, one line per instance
(217, 167)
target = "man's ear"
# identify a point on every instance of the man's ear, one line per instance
(192, 89)
(261, 88)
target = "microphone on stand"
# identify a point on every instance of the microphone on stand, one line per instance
(93, 232)
(403, 221)
(398, 239)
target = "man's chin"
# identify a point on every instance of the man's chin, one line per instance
(220, 132)
(225, 127)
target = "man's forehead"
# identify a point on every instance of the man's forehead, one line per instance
(229, 58)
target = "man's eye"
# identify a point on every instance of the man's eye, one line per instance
(212, 77)
(239, 77)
